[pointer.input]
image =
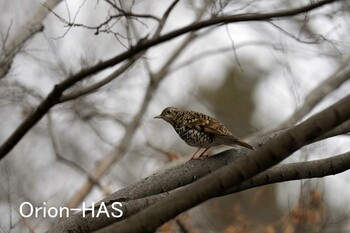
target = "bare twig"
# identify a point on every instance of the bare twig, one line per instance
(120, 70)
(341, 75)
(106, 25)
(132, 14)
(15, 84)
(33, 26)
(86, 119)
(69, 15)
(59, 156)
(318, 40)
(4, 40)
(164, 19)
(94, 87)
(8, 192)
(233, 48)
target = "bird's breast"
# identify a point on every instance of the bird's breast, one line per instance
(194, 137)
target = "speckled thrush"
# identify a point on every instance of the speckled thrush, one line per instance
(200, 130)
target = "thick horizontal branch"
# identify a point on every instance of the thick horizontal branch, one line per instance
(144, 44)
(280, 173)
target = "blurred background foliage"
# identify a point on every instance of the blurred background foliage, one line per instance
(251, 76)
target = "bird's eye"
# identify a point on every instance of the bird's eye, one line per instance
(167, 112)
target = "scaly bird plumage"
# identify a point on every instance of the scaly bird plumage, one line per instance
(200, 130)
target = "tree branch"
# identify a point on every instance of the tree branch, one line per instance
(97, 85)
(280, 173)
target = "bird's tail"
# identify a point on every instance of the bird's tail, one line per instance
(243, 144)
(231, 140)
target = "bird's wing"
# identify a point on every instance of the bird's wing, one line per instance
(208, 125)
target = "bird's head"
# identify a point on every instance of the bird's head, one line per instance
(168, 114)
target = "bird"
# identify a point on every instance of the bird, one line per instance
(200, 130)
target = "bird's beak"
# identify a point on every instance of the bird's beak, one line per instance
(158, 117)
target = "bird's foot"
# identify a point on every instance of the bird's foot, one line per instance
(198, 158)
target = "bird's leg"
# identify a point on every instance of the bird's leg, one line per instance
(192, 157)
(203, 152)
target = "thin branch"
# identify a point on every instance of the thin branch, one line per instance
(4, 40)
(59, 156)
(233, 48)
(104, 26)
(227, 49)
(8, 192)
(13, 83)
(126, 25)
(297, 171)
(94, 87)
(165, 18)
(69, 16)
(340, 76)
(159, 30)
(342, 129)
(33, 26)
(131, 14)
(123, 68)
(86, 119)
(109, 116)
(318, 40)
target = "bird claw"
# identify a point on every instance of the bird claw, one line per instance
(199, 157)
